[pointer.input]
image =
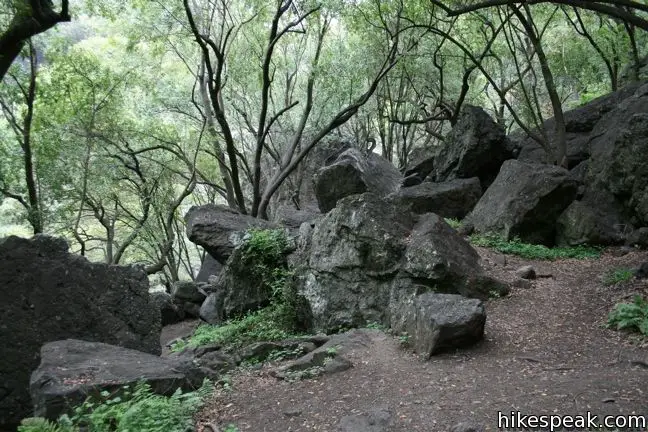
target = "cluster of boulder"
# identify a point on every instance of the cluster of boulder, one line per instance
(368, 244)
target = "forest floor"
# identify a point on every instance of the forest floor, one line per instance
(546, 351)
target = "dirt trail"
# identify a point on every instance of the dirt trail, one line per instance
(545, 352)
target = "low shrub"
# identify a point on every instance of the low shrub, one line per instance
(516, 246)
(630, 316)
(138, 409)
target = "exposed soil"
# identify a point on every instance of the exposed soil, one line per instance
(546, 351)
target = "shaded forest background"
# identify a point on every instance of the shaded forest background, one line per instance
(117, 116)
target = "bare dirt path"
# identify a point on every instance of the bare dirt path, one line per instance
(546, 351)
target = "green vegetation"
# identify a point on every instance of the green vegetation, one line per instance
(454, 223)
(631, 316)
(264, 254)
(615, 276)
(530, 251)
(129, 410)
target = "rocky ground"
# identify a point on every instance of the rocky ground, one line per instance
(546, 351)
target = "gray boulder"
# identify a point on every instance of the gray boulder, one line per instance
(170, 311)
(71, 370)
(617, 176)
(376, 420)
(188, 291)
(219, 229)
(209, 267)
(638, 238)
(451, 199)
(476, 147)
(355, 172)
(48, 294)
(440, 322)
(211, 310)
(583, 224)
(368, 257)
(525, 200)
(579, 124)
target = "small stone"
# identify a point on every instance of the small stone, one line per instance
(526, 272)
(293, 412)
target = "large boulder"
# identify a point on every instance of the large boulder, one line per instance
(525, 200)
(219, 229)
(617, 174)
(368, 258)
(48, 294)
(355, 172)
(170, 311)
(71, 370)
(438, 322)
(476, 147)
(579, 124)
(584, 224)
(451, 199)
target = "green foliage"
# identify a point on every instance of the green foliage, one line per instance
(231, 428)
(454, 223)
(617, 275)
(128, 410)
(632, 316)
(530, 251)
(266, 324)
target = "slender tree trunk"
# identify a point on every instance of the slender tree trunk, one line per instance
(35, 217)
(560, 156)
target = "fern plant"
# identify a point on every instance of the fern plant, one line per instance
(139, 410)
(632, 316)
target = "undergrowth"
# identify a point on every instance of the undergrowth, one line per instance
(515, 246)
(630, 316)
(616, 276)
(263, 253)
(129, 410)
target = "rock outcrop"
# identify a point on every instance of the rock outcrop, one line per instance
(451, 199)
(525, 200)
(368, 259)
(47, 294)
(219, 229)
(354, 172)
(71, 370)
(476, 147)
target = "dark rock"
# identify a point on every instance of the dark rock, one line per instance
(354, 172)
(466, 228)
(638, 238)
(615, 167)
(47, 294)
(412, 180)
(525, 200)
(476, 147)
(170, 312)
(642, 271)
(579, 124)
(452, 199)
(240, 289)
(582, 224)
(438, 322)
(368, 253)
(526, 272)
(211, 310)
(188, 291)
(71, 370)
(191, 309)
(376, 420)
(421, 162)
(211, 360)
(328, 358)
(210, 267)
(291, 218)
(219, 229)
(293, 412)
